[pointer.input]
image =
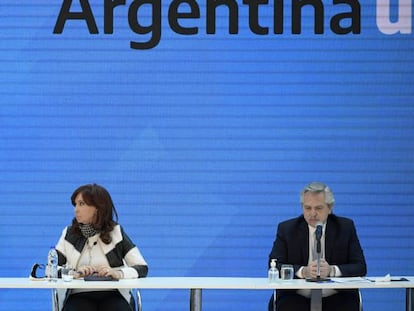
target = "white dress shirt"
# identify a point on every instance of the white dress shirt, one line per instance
(312, 250)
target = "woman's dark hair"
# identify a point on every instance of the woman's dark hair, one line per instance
(99, 197)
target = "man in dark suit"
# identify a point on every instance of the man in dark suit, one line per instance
(341, 253)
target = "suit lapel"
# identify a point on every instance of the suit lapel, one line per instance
(330, 235)
(304, 241)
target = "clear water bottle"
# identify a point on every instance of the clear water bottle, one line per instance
(52, 265)
(273, 274)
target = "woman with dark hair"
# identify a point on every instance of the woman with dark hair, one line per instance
(95, 244)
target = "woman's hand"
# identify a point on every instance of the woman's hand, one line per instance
(85, 271)
(101, 271)
(108, 271)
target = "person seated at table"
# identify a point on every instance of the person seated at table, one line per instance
(341, 252)
(95, 244)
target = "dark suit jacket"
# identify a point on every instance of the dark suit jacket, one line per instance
(342, 247)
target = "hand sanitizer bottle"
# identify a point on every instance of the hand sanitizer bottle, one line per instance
(273, 274)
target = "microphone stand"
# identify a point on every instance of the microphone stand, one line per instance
(318, 264)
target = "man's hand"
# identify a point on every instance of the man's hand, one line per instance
(311, 271)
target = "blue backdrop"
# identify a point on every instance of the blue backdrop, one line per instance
(205, 140)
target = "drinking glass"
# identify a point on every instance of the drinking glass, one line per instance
(286, 272)
(67, 273)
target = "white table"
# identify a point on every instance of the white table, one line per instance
(197, 284)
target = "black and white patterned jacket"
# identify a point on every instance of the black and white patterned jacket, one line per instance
(121, 253)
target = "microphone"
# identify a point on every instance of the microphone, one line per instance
(318, 236)
(318, 232)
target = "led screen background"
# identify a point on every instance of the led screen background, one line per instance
(204, 141)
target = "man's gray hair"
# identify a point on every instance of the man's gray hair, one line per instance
(318, 187)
